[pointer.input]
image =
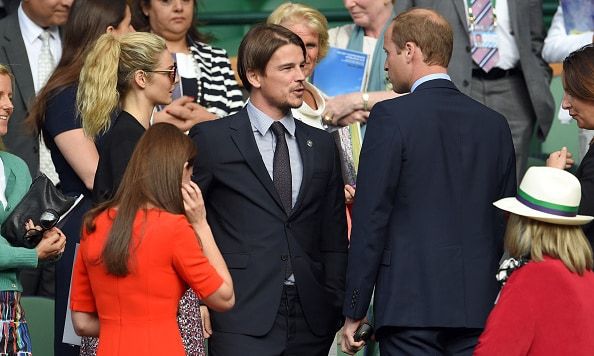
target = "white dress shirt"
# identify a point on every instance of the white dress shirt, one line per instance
(30, 32)
(558, 43)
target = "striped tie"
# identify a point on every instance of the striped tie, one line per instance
(486, 58)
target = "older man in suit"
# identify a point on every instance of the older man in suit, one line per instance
(507, 72)
(425, 233)
(275, 202)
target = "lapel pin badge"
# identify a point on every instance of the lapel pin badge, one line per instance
(309, 143)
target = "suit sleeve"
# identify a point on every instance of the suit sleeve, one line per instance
(377, 180)
(202, 174)
(510, 326)
(537, 36)
(335, 242)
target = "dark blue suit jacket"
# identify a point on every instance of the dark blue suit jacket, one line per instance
(425, 232)
(256, 236)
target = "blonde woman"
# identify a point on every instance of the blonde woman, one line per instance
(546, 306)
(134, 72)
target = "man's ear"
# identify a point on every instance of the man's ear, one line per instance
(140, 78)
(409, 51)
(254, 78)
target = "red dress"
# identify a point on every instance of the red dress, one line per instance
(137, 313)
(544, 309)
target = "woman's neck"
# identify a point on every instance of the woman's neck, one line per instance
(139, 107)
(178, 46)
(376, 27)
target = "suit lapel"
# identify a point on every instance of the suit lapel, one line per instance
(243, 137)
(461, 11)
(18, 60)
(306, 149)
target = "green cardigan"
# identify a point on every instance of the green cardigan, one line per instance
(18, 181)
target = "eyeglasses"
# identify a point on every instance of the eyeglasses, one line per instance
(171, 73)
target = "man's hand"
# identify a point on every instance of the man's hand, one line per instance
(348, 343)
(183, 113)
(205, 316)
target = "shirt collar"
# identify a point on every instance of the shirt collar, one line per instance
(30, 30)
(262, 122)
(428, 78)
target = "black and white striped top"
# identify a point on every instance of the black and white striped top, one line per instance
(219, 91)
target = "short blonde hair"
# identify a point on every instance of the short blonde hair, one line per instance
(535, 238)
(293, 13)
(108, 73)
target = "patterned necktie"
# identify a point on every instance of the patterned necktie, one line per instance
(281, 167)
(482, 11)
(45, 67)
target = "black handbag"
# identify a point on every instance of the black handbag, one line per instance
(42, 196)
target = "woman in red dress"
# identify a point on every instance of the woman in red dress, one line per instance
(140, 251)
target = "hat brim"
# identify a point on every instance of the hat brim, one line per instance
(513, 205)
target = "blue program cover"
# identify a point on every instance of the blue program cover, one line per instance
(341, 71)
(578, 15)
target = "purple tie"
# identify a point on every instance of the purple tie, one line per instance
(486, 58)
(281, 167)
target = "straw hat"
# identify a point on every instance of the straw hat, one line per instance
(547, 194)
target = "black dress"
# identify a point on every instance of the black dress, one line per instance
(115, 153)
(585, 174)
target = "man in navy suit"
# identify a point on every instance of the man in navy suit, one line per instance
(425, 233)
(275, 203)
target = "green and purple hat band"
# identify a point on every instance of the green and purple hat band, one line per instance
(546, 207)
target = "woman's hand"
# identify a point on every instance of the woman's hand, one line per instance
(356, 116)
(206, 326)
(561, 159)
(51, 245)
(342, 105)
(194, 204)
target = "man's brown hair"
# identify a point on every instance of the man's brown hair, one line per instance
(429, 31)
(259, 44)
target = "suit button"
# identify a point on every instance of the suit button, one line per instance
(512, 33)
(284, 257)
(468, 49)
(465, 83)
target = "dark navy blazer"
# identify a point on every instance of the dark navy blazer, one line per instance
(425, 232)
(256, 236)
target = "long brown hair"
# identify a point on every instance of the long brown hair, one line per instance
(87, 21)
(154, 177)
